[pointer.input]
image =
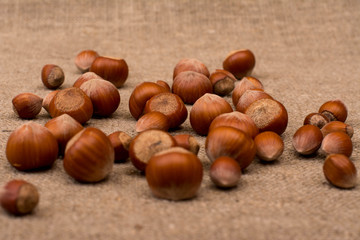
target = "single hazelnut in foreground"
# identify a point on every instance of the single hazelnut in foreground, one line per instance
(268, 115)
(170, 105)
(19, 197)
(84, 59)
(112, 69)
(337, 142)
(52, 76)
(187, 142)
(237, 120)
(85, 77)
(174, 174)
(205, 110)
(269, 146)
(72, 101)
(340, 171)
(334, 110)
(31, 146)
(190, 64)
(337, 126)
(223, 82)
(63, 127)
(152, 120)
(140, 95)
(121, 143)
(225, 172)
(307, 139)
(146, 144)
(231, 142)
(249, 97)
(47, 99)
(104, 96)
(89, 156)
(316, 119)
(190, 86)
(246, 83)
(27, 105)
(240, 63)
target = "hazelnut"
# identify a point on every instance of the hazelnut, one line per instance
(47, 99)
(89, 156)
(225, 172)
(174, 174)
(163, 84)
(39, 148)
(223, 82)
(307, 139)
(170, 105)
(104, 96)
(52, 76)
(84, 59)
(334, 110)
(337, 142)
(205, 110)
(112, 69)
(146, 144)
(85, 77)
(340, 171)
(231, 142)
(337, 126)
(190, 64)
(63, 127)
(72, 101)
(268, 115)
(140, 95)
(19, 197)
(190, 86)
(246, 83)
(121, 142)
(249, 97)
(240, 63)
(27, 105)
(316, 119)
(187, 142)
(237, 120)
(269, 146)
(152, 120)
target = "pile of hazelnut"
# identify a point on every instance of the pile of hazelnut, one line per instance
(326, 130)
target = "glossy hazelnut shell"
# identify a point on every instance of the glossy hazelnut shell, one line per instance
(240, 63)
(316, 119)
(337, 142)
(84, 59)
(269, 146)
(246, 83)
(120, 142)
(334, 110)
(190, 64)
(337, 126)
(47, 99)
(187, 142)
(52, 76)
(225, 172)
(307, 139)
(152, 120)
(27, 105)
(85, 77)
(340, 171)
(249, 97)
(223, 82)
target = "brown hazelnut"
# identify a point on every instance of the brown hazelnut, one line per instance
(121, 142)
(52, 76)
(163, 84)
(240, 63)
(246, 83)
(187, 142)
(85, 77)
(316, 119)
(223, 82)
(334, 110)
(84, 59)
(249, 97)
(190, 64)
(152, 120)
(340, 171)
(225, 172)
(337, 126)
(307, 139)
(337, 142)
(269, 146)
(27, 105)
(47, 99)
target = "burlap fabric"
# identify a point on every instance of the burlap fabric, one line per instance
(307, 52)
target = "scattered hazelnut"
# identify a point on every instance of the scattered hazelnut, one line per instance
(190, 86)
(337, 126)
(231, 142)
(27, 105)
(340, 171)
(205, 110)
(316, 119)
(163, 84)
(249, 97)
(174, 174)
(84, 59)
(225, 172)
(268, 115)
(269, 146)
(121, 142)
(63, 127)
(39, 148)
(19, 197)
(240, 63)
(152, 120)
(140, 95)
(72, 101)
(52, 76)
(146, 144)
(170, 105)
(337, 142)
(190, 64)
(104, 96)
(246, 83)
(307, 139)
(85, 77)
(187, 142)
(112, 69)
(47, 99)
(89, 156)
(223, 82)
(334, 110)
